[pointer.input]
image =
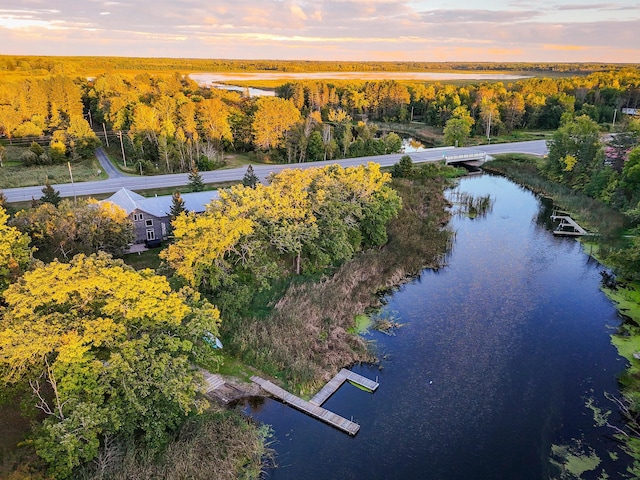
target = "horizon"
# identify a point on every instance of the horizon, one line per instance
(516, 31)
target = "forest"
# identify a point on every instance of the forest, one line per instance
(166, 123)
(93, 65)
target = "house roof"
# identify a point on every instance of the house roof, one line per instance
(160, 206)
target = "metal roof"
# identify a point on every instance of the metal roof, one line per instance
(160, 206)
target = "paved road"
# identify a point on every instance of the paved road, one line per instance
(118, 180)
(112, 171)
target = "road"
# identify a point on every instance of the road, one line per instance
(118, 180)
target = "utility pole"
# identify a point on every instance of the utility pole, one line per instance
(124, 158)
(489, 128)
(72, 185)
(106, 139)
(614, 118)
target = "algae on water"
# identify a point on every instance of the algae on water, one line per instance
(572, 461)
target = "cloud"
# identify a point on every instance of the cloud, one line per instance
(516, 30)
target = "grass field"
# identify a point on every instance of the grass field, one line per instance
(14, 174)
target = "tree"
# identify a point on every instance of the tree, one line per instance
(81, 138)
(458, 127)
(196, 183)
(404, 168)
(106, 351)
(573, 151)
(15, 253)
(630, 177)
(250, 179)
(177, 206)
(50, 195)
(86, 226)
(273, 117)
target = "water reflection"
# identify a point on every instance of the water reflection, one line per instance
(492, 367)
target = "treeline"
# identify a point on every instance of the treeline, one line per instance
(168, 123)
(529, 103)
(174, 125)
(93, 65)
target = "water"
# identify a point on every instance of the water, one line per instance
(499, 351)
(411, 145)
(209, 77)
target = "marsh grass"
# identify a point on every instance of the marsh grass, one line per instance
(305, 339)
(223, 445)
(470, 205)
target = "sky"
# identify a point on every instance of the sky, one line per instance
(393, 30)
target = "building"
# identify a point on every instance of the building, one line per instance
(151, 215)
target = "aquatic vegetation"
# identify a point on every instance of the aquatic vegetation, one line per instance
(362, 324)
(574, 460)
(470, 205)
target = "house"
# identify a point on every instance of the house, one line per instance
(151, 215)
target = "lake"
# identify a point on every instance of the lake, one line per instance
(497, 355)
(216, 79)
(213, 77)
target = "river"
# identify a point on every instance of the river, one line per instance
(498, 353)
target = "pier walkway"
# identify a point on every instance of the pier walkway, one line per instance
(568, 226)
(313, 408)
(336, 382)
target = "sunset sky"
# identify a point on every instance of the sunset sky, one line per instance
(421, 30)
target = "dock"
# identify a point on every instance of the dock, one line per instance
(568, 226)
(313, 408)
(336, 382)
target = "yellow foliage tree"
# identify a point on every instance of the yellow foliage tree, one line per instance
(15, 253)
(273, 118)
(115, 347)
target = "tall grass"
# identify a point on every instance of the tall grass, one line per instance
(304, 341)
(223, 445)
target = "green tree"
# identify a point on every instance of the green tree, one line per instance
(404, 168)
(630, 178)
(196, 183)
(250, 179)
(574, 151)
(177, 206)
(393, 143)
(86, 226)
(107, 351)
(50, 195)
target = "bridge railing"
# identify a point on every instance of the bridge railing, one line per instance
(465, 156)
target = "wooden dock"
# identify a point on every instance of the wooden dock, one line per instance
(568, 226)
(313, 407)
(310, 409)
(336, 382)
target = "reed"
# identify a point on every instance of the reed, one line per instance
(304, 340)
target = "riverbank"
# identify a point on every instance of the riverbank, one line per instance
(305, 338)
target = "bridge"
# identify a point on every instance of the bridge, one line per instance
(473, 158)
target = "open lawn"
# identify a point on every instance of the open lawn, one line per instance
(15, 174)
